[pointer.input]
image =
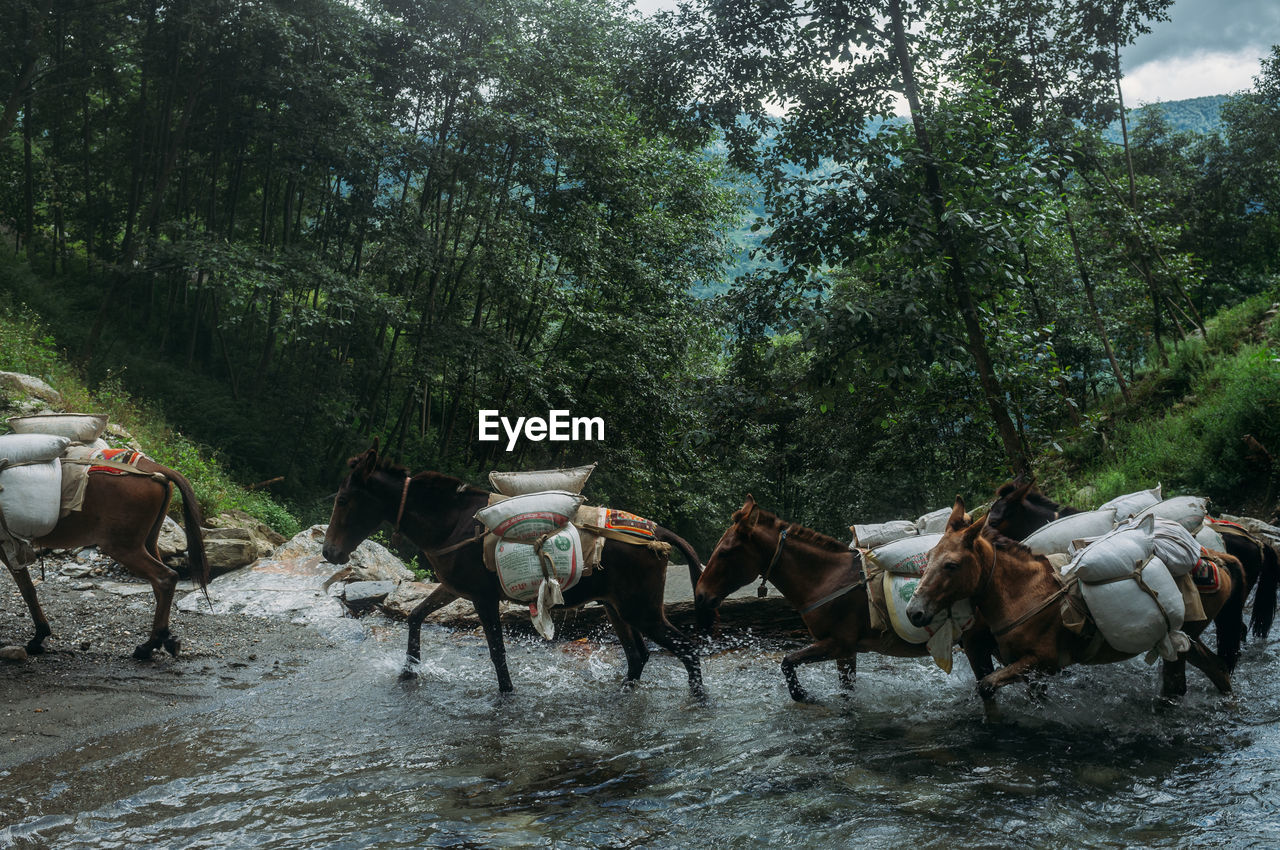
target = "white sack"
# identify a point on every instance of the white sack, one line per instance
(1188, 510)
(520, 571)
(1175, 547)
(942, 632)
(1209, 538)
(78, 427)
(31, 494)
(904, 557)
(1115, 554)
(934, 522)
(1056, 537)
(1133, 503)
(570, 479)
(1128, 618)
(880, 533)
(528, 517)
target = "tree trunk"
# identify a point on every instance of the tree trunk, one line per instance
(1087, 281)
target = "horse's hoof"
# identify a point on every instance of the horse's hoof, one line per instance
(408, 674)
(35, 648)
(143, 652)
(629, 685)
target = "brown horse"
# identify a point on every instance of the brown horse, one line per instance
(823, 578)
(1018, 594)
(1020, 508)
(437, 512)
(122, 516)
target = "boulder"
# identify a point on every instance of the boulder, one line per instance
(401, 602)
(295, 589)
(13, 653)
(369, 562)
(27, 385)
(362, 594)
(265, 538)
(229, 548)
(173, 540)
(118, 436)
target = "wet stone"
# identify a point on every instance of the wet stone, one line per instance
(361, 593)
(13, 653)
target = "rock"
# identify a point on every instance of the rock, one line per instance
(29, 386)
(361, 594)
(401, 602)
(88, 555)
(173, 540)
(265, 538)
(118, 436)
(1262, 529)
(286, 588)
(76, 570)
(228, 549)
(13, 653)
(369, 562)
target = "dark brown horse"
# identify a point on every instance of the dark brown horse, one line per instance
(1020, 508)
(824, 580)
(439, 514)
(122, 516)
(1018, 594)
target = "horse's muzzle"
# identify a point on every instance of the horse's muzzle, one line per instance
(918, 613)
(334, 555)
(704, 611)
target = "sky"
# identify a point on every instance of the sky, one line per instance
(1207, 47)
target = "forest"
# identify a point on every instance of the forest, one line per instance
(851, 258)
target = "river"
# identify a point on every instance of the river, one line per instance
(341, 754)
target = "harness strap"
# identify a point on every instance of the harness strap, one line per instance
(117, 466)
(456, 546)
(831, 597)
(763, 591)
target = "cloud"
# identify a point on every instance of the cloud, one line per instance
(1200, 74)
(1208, 27)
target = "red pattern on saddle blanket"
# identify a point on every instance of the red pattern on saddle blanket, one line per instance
(627, 523)
(128, 457)
(1206, 575)
(1227, 522)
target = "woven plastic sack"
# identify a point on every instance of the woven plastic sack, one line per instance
(1209, 538)
(1133, 503)
(1055, 538)
(880, 533)
(31, 493)
(934, 522)
(1175, 547)
(520, 570)
(940, 634)
(528, 517)
(904, 557)
(77, 427)
(1187, 510)
(1127, 616)
(1115, 554)
(569, 479)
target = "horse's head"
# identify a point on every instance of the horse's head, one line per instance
(357, 511)
(954, 570)
(734, 563)
(1020, 509)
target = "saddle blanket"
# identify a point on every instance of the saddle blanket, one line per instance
(1207, 576)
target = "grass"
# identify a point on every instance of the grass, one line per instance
(27, 346)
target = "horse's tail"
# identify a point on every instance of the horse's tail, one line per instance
(193, 521)
(1264, 601)
(1230, 620)
(666, 535)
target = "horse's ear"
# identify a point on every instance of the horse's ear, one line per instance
(957, 520)
(1024, 488)
(973, 532)
(749, 511)
(365, 464)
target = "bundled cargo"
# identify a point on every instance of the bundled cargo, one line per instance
(568, 479)
(76, 427)
(934, 522)
(1056, 537)
(1175, 547)
(1209, 538)
(520, 565)
(905, 557)
(1129, 591)
(527, 517)
(878, 534)
(31, 483)
(1133, 503)
(1190, 511)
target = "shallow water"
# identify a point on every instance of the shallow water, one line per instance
(342, 754)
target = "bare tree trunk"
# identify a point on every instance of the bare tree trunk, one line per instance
(1087, 281)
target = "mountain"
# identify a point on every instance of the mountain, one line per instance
(1193, 115)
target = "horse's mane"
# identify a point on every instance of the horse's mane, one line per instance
(1015, 547)
(435, 480)
(797, 532)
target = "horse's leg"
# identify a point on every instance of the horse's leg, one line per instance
(487, 610)
(848, 670)
(163, 582)
(674, 641)
(22, 576)
(632, 644)
(1173, 678)
(820, 651)
(980, 649)
(992, 682)
(1208, 663)
(436, 600)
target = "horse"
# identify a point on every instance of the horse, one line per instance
(1017, 593)
(1020, 508)
(122, 515)
(824, 580)
(437, 512)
